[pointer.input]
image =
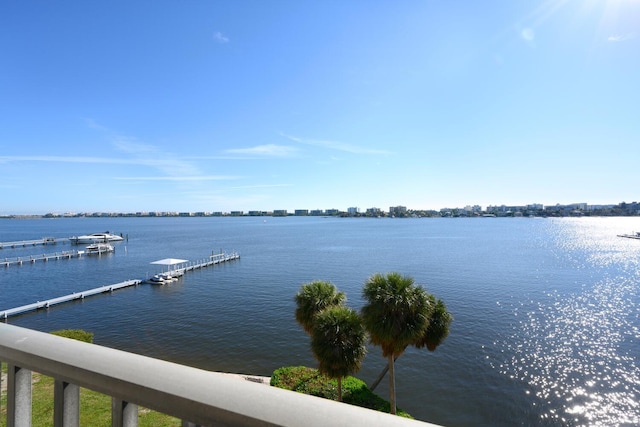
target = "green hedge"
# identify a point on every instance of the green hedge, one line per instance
(309, 381)
(76, 334)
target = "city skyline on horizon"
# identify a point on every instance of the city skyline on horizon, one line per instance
(358, 209)
(220, 107)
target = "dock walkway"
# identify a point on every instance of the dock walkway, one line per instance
(212, 260)
(25, 243)
(6, 262)
(74, 296)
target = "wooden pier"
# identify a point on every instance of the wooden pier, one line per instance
(36, 242)
(43, 257)
(189, 266)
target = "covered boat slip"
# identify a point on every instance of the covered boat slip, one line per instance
(170, 262)
(177, 267)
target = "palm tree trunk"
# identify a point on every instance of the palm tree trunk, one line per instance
(392, 386)
(381, 375)
(340, 389)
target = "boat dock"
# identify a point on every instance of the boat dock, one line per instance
(213, 260)
(25, 243)
(43, 257)
(185, 267)
(75, 296)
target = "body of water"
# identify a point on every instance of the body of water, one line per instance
(546, 324)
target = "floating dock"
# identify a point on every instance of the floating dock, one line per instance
(43, 257)
(75, 296)
(36, 242)
(213, 260)
(185, 266)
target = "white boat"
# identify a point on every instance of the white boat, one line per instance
(162, 278)
(156, 279)
(634, 235)
(96, 238)
(99, 248)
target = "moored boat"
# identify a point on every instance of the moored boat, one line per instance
(99, 248)
(96, 238)
(634, 235)
(158, 279)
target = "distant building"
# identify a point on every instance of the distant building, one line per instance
(353, 211)
(374, 212)
(279, 212)
(397, 211)
(301, 212)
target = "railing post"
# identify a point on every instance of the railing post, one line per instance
(18, 396)
(0, 377)
(123, 414)
(66, 404)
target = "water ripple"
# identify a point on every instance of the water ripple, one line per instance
(577, 354)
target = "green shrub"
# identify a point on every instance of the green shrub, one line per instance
(309, 381)
(76, 334)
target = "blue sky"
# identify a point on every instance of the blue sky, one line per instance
(126, 106)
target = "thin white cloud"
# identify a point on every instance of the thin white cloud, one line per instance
(178, 178)
(335, 145)
(69, 159)
(131, 145)
(249, 187)
(167, 163)
(91, 123)
(158, 163)
(171, 167)
(268, 150)
(220, 38)
(620, 38)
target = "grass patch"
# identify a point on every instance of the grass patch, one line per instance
(75, 334)
(309, 381)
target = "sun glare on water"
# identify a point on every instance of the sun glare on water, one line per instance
(578, 350)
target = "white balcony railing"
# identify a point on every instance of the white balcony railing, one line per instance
(193, 395)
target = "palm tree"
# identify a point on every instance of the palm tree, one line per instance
(396, 315)
(314, 297)
(338, 342)
(439, 321)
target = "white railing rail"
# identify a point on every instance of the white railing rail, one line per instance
(196, 396)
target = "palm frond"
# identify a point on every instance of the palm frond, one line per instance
(314, 297)
(338, 341)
